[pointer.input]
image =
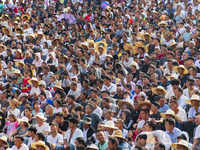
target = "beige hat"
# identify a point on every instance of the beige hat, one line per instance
(19, 62)
(193, 98)
(180, 66)
(182, 143)
(24, 119)
(135, 64)
(175, 76)
(4, 47)
(14, 100)
(58, 86)
(118, 134)
(101, 44)
(41, 143)
(90, 41)
(41, 116)
(17, 71)
(92, 146)
(147, 102)
(121, 103)
(129, 47)
(110, 124)
(18, 50)
(33, 79)
(162, 23)
(5, 139)
(154, 90)
(169, 112)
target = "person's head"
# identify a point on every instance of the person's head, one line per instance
(144, 113)
(113, 143)
(197, 118)
(32, 131)
(18, 140)
(169, 124)
(159, 146)
(12, 118)
(70, 99)
(49, 109)
(174, 83)
(107, 81)
(106, 103)
(155, 107)
(141, 140)
(39, 137)
(59, 117)
(149, 126)
(178, 92)
(173, 105)
(73, 122)
(138, 88)
(100, 135)
(89, 108)
(161, 100)
(54, 127)
(28, 111)
(79, 141)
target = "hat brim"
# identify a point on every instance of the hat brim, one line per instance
(18, 28)
(129, 47)
(117, 136)
(5, 142)
(33, 145)
(141, 46)
(19, 120)
(176, 69)
(5, 28)
(17, 103)
(163, 115)
(174, 145)
(154, 90)
(58, 87)
(96, 46)
(121, 103)
(30, 82)
(17, 63)
(25, 16)
(189, 101)
(167, 32)
(143, 102)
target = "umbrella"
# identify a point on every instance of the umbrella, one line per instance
(70, 18)
(161, 136)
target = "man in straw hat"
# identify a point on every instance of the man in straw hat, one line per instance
(87, 129)
(19, 145)
(110, 127)
(40, 145)
(196, 143)
(182, 74)
(181, 145)
(4, 141)
(34, 85)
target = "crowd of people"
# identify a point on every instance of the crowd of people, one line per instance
(100, 75)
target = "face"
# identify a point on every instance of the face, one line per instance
(181, 147)
(143, 115)
(110, 145)
(18, 142)
(39, 147)
(141, 142)
(167, 126)
(100, 136)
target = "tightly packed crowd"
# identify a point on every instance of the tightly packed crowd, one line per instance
(100, 75)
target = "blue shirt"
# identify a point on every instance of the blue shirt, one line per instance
(29, 61)
(186, 36)
(164, 108)
(192, 112)
(175, 133)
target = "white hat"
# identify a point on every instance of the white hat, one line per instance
(92, 146)
(41, 143)
(24, 119)
(110, 124)
(41, 116)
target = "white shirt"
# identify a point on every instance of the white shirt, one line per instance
(43, 128)
(75, 93)
(181, 114)
(16, 112)
(186, 92)
(85, 134)
(98, 111)
(77, 133)
(24, 147)
(197, 135)
(141, 123)
(57, 110)
(181, 101)
(111, 88)
(30, 141)
(33, 90)
(127, 64)
(55, 140)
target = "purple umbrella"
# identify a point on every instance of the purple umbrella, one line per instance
(70, 18)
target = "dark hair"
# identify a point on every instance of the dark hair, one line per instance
(146, 110)
(151, 124)
(71, 96)
(182, 136)
(179, 89)
(107, 100)
(73, 120)
(113, 140)
(174, 82)
(171, 121)
(142, 136)
(146, 76)
(160, 96)
(161, 145)
(139, 86)
(32, 129)
(156, 104)
(107, 78)
(138, 147)
(59, 114)
(29, 108)
(40, 136)
(81, 140)
(91, 106)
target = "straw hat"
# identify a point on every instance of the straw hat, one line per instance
(4, 47)
(92, 146)
(147, 102)
(135, 64)
(31, 35)
(162, 23)
(41, 116)
(110, 124)
(18, 28)
(18, 50)
(5, 139)
(14, 100)
(22, 17)
(90, 41)
(33, 79)
(5, 28)
(180, 48)
(24, 119)
(145, 34)
(101, 44)
(118, 134)
(168, 33)
(5, 16)
(169, 112)
(175, 76)
(182, 143)
(41, 143)
(40, 33)
(154, 90)
(17, 71)
(180, 66)
(84, 44)
(58, 86)
(130, 47)
(65, 56)
(193, 98)
(19, 62)
(121, 103)
(141, 46)
(172, 43)
(16, 22)
(56, 38)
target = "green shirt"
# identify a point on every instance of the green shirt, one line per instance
(102, 147)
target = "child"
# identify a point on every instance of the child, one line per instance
(26, 87)
(11, 124)
(33, 70)
(14, 82)
(53, 82)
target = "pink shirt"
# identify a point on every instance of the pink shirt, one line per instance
(11, 126)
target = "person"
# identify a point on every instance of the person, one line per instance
(108, 105)
(102, 142)
(32, 134)
(41, 125)
(181, 145)
(120, 125)
(19, 145)
(171, 130)
(196, 143)
(39, 145)
(63, 124)
(112, 143)
(108, 86)
(54, 138)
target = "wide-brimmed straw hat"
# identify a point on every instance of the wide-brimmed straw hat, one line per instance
(180, 66)
(41, 143)
(169, 112)
(19, 62)
(90, 41)
(145, 34)
(182, 143)
(193, 98)
(28, 17)
(58, 86)
(135, 64)
(102, 45)
(17, 71)
(175, 76)
(5, 28)
(31, 35)
(141, 46)
(84, 44)
(33, 79)
(154, 90)
(147, 102)
(129, 47)
(24, 119)
(110, 124)
(41, 116)
(172, 43)
(5, 139)
(118, 134)
(124, 102)
(92, 146)
(168, 33)
(40, 33)
(18, 28)
(18, 50)
(15, 101)
(4, 47)
(6, 16)
(162, 23)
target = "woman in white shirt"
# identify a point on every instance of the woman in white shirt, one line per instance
(14, 103)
